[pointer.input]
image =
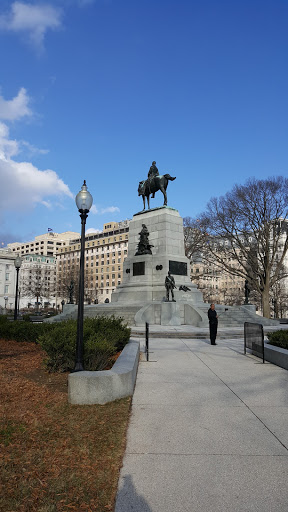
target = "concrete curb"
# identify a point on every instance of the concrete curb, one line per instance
(87, 388)
(276, 355)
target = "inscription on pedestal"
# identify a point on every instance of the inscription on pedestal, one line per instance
(139, 268)
(178, 268)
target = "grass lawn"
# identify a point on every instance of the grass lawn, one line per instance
(55, 456)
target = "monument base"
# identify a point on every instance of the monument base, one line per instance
(172, 313)
(144, 274)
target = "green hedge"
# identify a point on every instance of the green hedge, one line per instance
(21, 331)
(102, 338)
(278, 338)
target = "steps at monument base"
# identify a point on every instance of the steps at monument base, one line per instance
(128, 313)
(61, 317)
(200, 335)
(237, 316)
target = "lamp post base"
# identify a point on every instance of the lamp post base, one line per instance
(78, 368)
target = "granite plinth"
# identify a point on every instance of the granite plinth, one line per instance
(165, 228)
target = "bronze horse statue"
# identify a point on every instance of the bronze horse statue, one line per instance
(147, 187)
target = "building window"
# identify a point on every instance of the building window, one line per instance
(7, 277)
(6, 288)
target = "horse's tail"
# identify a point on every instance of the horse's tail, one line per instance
(170, 178)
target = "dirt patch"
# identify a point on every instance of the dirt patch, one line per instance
(55, 381)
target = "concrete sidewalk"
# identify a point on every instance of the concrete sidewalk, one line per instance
(208, 432)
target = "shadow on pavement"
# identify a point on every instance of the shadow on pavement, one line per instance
(127, 498)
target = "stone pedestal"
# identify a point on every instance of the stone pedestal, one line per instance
(69, 308)
(250, 307)
(144, 276)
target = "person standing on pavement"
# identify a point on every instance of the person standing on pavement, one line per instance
(213, 324)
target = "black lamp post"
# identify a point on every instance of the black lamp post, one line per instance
(17, 264)
(84, 202)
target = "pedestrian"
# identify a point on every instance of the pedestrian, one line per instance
(213, 323)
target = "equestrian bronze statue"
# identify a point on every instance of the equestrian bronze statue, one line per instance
(154, 183)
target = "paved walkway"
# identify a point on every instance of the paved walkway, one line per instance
(208, 432)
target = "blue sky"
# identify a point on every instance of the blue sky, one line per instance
(96, 90)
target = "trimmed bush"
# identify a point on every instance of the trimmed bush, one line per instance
(21, 331)
(102, 336)
(278, 338)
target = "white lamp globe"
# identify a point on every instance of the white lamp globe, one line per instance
(84, 200)
(18, 262)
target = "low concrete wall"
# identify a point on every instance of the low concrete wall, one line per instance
(85, 388)
(276, 355)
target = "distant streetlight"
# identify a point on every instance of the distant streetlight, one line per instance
(17, 264)
(84, 202)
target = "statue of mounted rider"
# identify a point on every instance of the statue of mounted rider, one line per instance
(154, 183)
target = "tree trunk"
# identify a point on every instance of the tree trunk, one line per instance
(265, 302)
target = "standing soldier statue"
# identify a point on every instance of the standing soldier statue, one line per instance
(71, 291)
(247, 292)
(170, 285)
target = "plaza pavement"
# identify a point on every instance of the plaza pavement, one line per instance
(208, 431)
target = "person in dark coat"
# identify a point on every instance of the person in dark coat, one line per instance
(213, 323)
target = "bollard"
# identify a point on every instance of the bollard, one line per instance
(147, 342)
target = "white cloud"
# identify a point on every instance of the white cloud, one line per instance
(33, 20)
(8, 148)
(110, 209)
(23, 185)
(92, 230)
(93, 209)
(48, 204)
(12, 110)
(32, 150)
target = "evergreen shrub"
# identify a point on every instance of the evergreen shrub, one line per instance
(278, 338)
(21, 331)
(102, 337)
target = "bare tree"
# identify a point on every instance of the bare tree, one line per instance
(279, 299)
(36, 284)
(69, 274)
(246, 233)
(194, 238)
(64, 279)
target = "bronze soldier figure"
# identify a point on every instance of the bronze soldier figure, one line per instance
(153, 171)
(170, 285)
